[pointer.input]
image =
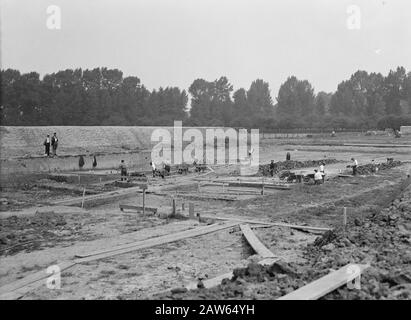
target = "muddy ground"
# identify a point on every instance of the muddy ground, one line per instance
(36, 233)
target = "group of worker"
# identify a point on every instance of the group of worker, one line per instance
(320, 174)
(165, 170)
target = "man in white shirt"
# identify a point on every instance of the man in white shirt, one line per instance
(153, 167)
(354, 165)
(318, 177)
(322, 170)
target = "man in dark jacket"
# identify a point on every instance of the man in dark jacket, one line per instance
(54, 143)
(123, 170)
(47, 146)
(272, 168)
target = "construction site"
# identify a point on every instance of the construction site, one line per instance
(204, 230)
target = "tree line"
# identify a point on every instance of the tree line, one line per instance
(103, 96)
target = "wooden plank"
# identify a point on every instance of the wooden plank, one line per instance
(207, 196)
(251, 184)
(255, 243)
(21, 286)
(106, 195)
(274, 224)
(148, 243)
(326, 284)
(137, 208)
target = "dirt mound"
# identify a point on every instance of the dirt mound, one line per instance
(293, 164)
(380, 238)
(283, 278)
(371, 168)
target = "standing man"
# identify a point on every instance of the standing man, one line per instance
(54, 143)
(272, 167)
(153, 167)
(373, 166)
(47, 146)
(318, 177)
(94, 162)
(354, 165)
(123, 170)
(322, 170)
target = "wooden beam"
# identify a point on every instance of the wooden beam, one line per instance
(257, 185)
(137, 208)
(148, 243)
(326, 284)
(251, 184)
(255, 243)
(274, 224)
(18, 288)
(207, 197)
(102, 196)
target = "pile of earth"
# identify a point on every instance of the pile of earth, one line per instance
(293, 164)
(371, 168)
(280, 278)
(31, 233)
(381, 239)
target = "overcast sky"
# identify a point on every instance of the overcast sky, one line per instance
(173, 42)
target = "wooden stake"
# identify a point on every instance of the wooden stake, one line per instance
(174, 207)
(191, 210)
(144, 202)
(345, 218)
(84, 193)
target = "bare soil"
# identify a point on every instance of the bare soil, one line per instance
(35, 233)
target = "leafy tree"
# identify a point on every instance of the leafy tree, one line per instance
(407, 91)
(393, 88)
(211, 101)
(259, 98)
(319, 108)
(295, 98)
(102, 96)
